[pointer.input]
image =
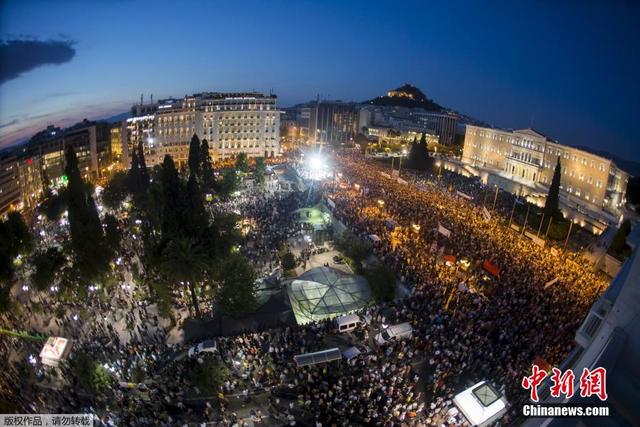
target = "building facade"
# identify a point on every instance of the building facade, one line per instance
(333, 122)
(10, 197)
(231, 123)
(588, 182)
(91, 142)
(417, 120)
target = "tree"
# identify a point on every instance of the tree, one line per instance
(209, 375)
(619, 247)
(551, 205)
(89, 374)
(47, 264)
(288, 261)
(116, 191)
(195, 214)
(355, 248)
(113, 234)
(229, 184)
(185, 261)
(206, 167)
(134, 177)
(54, 204)
(172, 199)
(260, 170)
(87, 238)
(194, 156)
(242, 164)
(236, 293)
(138, 175)
(633, 192)
(412, 160)
(382, 282)
(14, 240)
(423, 159)
(144, 173)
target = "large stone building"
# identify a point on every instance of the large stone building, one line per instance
(593, 187)
(231, 123)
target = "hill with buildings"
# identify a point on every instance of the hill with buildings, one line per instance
(407, 96)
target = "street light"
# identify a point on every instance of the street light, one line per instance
(381, 202)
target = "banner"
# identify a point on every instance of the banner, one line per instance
(463, 195)
(491, 268)
(395, 173)
(555, 252)
(386, 175)
(402, 181)
(515, 227)
(443, 231)
(486, 214)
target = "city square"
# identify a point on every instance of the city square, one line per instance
(220, 259)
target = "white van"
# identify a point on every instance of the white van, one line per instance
(209, 346)
(348, 323)
(395, 332)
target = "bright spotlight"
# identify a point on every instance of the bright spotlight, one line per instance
(316, 162)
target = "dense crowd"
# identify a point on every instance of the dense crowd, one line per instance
(487, 329)
(496, 332)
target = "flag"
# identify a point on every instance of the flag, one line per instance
(486, 214)
(463, 195)
(445, 232)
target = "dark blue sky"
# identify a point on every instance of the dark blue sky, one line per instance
(570, 69)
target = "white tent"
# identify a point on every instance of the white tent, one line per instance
(54, 350)
(481, 404)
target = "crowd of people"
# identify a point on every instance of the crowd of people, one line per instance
(495, 333)
(459, 336)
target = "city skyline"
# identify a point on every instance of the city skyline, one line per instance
(571, 76)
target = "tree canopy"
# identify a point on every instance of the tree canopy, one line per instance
(551, 205)
(236, 293)
(87, 237)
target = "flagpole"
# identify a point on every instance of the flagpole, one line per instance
(524, 227)
(513, 209)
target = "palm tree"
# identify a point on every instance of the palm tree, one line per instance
(184, 260)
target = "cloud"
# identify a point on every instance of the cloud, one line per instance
(19, 56)
(12, 122)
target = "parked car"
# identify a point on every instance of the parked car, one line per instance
(394, 332)
(351, 352)
(209, 346)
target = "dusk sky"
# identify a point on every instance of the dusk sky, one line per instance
(569, 69)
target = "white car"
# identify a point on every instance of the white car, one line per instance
(394, 332)
(205, 346)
